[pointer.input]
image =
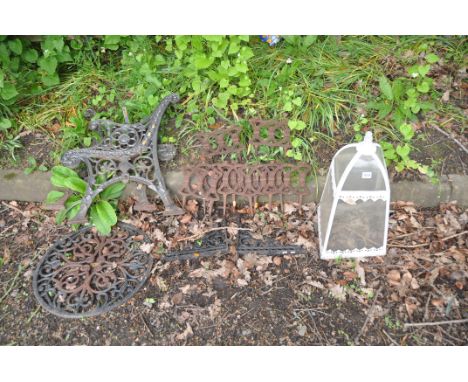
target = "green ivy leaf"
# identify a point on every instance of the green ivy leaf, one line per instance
(423, 87)
(386, 88)
(52, 43)
(51, 80)
(201, 61)
(296, 125)
(423, 69)
(30, 55)
(8, 91)
(111, 42)
(49, 64)
(53, 196)
(407, 131)
(16, 46)
(403, 151)
(296, 142)
(5, 124)
(432, 58)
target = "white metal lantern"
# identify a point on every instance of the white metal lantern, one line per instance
(354, 207)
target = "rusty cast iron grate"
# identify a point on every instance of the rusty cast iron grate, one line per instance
(86, 274)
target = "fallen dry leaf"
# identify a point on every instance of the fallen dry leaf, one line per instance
(188, 332)
(147, 247)
(338, 292)
(394, 277)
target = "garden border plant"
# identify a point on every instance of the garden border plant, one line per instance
(321, 84)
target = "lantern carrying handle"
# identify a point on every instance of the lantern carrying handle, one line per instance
(366, 147)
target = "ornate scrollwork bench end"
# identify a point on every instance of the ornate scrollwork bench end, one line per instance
(125, 153)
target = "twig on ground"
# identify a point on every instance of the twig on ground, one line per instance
(356, 339)
(426, 309)
(147, 325)
(426, 244)
(419, 324)
(12, 285)
(390, 338)
(450, 137)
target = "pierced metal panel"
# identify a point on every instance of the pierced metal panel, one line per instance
(270, 133)
(86, 274)
(216, 182)
(212, 244)
(265, 246)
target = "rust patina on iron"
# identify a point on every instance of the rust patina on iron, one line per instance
(125, 152)
(86, 274)
(217, 243)
(221, 176)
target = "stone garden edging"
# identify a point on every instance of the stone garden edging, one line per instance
(15, 185)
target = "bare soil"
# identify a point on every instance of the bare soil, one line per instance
(255, 300)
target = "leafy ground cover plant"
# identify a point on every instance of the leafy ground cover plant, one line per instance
(323, 85)
(102, 213)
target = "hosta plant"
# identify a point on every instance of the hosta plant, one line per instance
(102, 213)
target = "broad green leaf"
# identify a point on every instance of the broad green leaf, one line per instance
(5, 124)
(48, 64)
(385, 87)
(53, 196)
(403, 151)
(64, 172)
(423, 69)
(76, 184)
(423, 87)
(112, 42)
(296, 125)
(384, 110)
(233, 48)
(103, 216)
(213, 38)
(101, 226)
(114, 191)
(309, 40)
(16, 46)
(53, 44)
(407, 131)
(51, 80)
(245, 53)
(60, 217)
(287, 106)
(296, 142)
(29, 170)
(432, 58)
(201, 61)
(8, 91)
(30, 55)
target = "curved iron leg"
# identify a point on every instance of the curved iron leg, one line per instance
(142, 203)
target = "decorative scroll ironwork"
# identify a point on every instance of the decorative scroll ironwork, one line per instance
(222, 141)
(267, 246)
(212, 244)
(270, 133)
(228, 140)
(86, 274)
(217, 243)
(216, 182)
(126, 152)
